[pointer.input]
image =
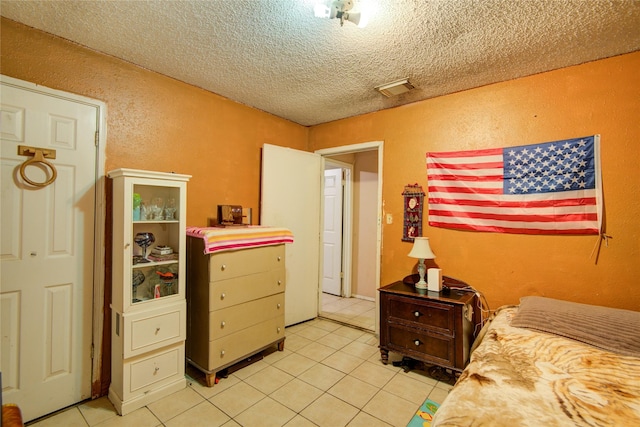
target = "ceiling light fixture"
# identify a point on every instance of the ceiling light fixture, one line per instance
(395, 88)
(341, 9)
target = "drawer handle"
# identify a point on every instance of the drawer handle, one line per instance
(278, 329)
(279, 258)
(222, 295)
(417, 342)
(222, 324)
(223, 267)
(278, 306)
(416, 313)
(279, 282)
(222, 353)
(157, 330)
(155, 371)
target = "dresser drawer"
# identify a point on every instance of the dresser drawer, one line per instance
(232, 319)
(152, 371)
(153, 329)
(236, 346)
(226, 265)
(422, 313)
(422, 345)
(230, 292)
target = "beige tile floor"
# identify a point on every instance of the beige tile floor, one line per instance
(352, 311)
(328, 375)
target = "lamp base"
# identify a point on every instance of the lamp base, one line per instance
(421, 285)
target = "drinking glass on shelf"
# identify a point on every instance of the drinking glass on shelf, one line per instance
(157, 208)
(170, 209)
(144, 211)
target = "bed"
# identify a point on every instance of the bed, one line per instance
(548, 362)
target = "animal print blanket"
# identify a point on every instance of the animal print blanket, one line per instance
(522, 377)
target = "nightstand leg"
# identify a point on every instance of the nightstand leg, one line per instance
(384, 355)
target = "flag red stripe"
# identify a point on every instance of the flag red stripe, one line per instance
(467, 166)
(587, 201)
(475, 178)
(519, 217)
(465, 190)
(512, 230)
(469, 153)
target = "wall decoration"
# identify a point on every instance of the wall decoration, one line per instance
(413, 200)
(547, 188)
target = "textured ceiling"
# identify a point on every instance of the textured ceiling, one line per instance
(274, 55)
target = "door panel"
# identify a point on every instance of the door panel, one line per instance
(332, 233)
(47, 251)
(290, 197)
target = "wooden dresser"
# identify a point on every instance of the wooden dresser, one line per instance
(432, 327)
(235, 304)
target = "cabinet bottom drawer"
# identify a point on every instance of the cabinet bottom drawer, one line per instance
(148, 372)
(231, 348)
(422, 345)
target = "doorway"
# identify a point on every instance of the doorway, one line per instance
(356, 302)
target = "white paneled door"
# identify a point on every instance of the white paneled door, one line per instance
(47, 236)
(290, 194)
(332, 233)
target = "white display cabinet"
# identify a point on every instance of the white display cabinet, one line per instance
(148, 308)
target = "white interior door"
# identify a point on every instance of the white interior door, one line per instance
(290, 197)
(332, 233)
(47, 237)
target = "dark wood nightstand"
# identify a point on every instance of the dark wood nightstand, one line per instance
(433, 327)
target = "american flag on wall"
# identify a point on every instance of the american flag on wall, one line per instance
(549, 188)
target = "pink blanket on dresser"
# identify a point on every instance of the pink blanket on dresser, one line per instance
(218, 239)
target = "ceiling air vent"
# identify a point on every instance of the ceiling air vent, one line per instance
(395, 88)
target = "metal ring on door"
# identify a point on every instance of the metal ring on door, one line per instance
(38, 157)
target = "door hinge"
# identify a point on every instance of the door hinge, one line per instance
(92, 350)
(97, 140)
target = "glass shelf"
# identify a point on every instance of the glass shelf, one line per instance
(153, 263)
(173, 221)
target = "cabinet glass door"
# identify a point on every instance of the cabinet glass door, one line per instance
(156, 240)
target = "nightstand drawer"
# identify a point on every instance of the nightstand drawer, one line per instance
(421, 313)
(439, 349)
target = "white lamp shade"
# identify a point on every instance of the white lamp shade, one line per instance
(421, 249)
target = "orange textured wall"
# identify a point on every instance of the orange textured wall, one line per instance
(601, 97)
(158, 123)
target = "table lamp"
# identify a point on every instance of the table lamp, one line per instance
(422, 251)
